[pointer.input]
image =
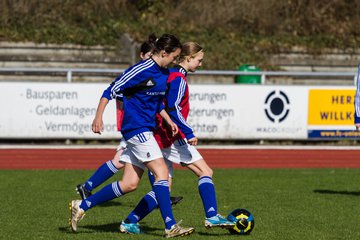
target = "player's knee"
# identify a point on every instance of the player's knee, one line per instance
(132, 187)
(129, 186)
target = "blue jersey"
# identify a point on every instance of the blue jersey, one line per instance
(142, 88)
(357, 99)
(177, 101)
(177, 106)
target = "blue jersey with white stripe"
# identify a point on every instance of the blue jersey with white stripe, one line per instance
(177, 102)
(357, 99)
(142, 87)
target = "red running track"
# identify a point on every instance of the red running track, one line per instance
(216, 158)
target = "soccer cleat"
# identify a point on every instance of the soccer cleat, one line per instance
(218, 221)
(178, 231)
(130, 228)
(81, 190)
(76, 214)
(175, 200)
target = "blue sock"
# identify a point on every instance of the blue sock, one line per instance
(151, 178)
(208, 197)
(103, 173)
(107, 193)
(161, 189)
(144, 207)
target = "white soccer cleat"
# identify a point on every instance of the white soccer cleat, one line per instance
(178, 231)
(76, 214)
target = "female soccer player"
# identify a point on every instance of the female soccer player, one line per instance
(180, 148)
(109, 168)
(142, 87)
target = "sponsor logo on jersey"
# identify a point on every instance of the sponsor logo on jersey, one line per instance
(150, 83)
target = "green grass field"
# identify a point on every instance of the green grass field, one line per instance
(287, 204)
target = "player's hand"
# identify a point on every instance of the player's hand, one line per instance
(97, 126)
(357, 126)
(174, 128)
(193, 141)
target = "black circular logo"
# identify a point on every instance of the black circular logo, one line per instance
(277, 106)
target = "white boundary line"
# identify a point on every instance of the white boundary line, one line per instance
(232, 147)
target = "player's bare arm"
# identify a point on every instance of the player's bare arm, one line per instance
(97, 124)
(174, 128)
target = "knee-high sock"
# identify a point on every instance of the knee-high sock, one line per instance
(103, 173)
(208, 197)
(161, 189)
(151, 178)
(107, 193)
(144, 207)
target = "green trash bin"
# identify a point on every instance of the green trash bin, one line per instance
(248, 79)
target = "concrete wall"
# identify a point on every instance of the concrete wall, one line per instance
(33, 55)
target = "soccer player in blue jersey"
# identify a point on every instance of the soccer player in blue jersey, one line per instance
(180, 148)
(357, 102)
(142, 87)
(109, 168)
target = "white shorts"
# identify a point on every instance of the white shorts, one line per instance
(140, 149)
(128, 157)
(122, 145)
(180, 152)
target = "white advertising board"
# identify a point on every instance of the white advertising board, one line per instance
(66, 110)
(53, 110)
(249, 111)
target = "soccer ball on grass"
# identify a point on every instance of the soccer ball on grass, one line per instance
(244, 221)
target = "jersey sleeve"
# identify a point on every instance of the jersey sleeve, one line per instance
(175, 93)
(121, 83)
(107, 93)
(161, 107)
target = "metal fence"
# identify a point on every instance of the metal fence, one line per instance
(70, 72)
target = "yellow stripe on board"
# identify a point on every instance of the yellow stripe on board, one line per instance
(331, 107)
